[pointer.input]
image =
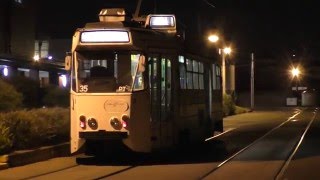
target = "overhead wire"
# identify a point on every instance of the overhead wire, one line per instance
(208, 3)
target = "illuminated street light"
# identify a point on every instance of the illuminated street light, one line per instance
(213, 38)
(295, 72)
(36, 58)
(227, 50)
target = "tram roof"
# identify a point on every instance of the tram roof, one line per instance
(137, 36)
(155, 30)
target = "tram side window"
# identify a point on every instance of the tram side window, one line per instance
(195, 74)
(201, 72)
(189, 74)
(195, 71)
(183, 73)
(219, 77)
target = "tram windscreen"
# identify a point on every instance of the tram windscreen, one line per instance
(103, 71)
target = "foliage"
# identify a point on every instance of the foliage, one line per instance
(36, 127)
(229, 106)
(10, 99)
(5, 139)
(240, 110)
(56, 96)
(29, 89)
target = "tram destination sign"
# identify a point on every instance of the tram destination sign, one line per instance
(105, 36)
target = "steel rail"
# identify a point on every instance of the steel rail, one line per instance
(286, 164)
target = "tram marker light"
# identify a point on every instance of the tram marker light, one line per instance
(82, 119)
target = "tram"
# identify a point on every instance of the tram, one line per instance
(135, 83)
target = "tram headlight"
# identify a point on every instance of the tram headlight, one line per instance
(93, 124)
(115, 123)
(125, 119)
(82, 120)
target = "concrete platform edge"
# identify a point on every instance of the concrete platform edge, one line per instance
(23, 157)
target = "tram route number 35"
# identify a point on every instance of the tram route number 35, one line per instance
(83, 88)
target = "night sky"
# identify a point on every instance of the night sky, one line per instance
(268, 28)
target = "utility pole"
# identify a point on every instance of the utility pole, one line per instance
(7, 26)
(252, 82)
(223, 73)
(136, 13)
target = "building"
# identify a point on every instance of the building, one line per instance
(21, 43)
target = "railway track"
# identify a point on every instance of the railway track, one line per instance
(266, 137)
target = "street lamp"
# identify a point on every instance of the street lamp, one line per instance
(223, 52)
(227, 50)
(295, 72)
(213, 38)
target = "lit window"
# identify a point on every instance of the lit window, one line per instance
(44, 78)
(41, 49)
(5, 70)
(63, 80)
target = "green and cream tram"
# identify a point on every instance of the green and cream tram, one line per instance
(134, 83)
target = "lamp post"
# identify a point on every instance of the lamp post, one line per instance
(225, 51)
(296, 72)
(252, 82)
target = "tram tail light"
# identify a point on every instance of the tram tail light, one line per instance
(82, 119)
(125, 120)
(124, 124)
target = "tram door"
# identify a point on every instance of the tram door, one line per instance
(160, 88)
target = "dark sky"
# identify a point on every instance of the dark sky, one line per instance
(269, 28)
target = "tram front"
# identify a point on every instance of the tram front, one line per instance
(108, 98)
